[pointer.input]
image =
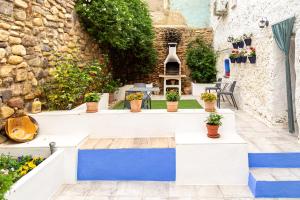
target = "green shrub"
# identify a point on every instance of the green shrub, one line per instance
(214, 119)
(71, 79)
(92, 97)
(208, 97)
(201, 59)
(172, 96)
(124, 29)
(135, 96)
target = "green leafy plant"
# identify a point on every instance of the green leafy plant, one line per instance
(214, 119)
(208, 97)
(12, 169)
(111, 86)
(243, 53)
(71, 79)
(172, 96)
(92, 97)
(201, 59)
(124, 30)
(135, 96)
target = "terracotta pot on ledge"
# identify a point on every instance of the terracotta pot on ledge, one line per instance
(210, 106)
(212, 131)
(172, 106)
(91, 107)
(136, 105)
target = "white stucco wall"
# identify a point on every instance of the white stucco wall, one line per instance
(261, 87)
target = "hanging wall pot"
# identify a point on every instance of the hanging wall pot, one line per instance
(248, 41)
(243, 59)
(238, 60)
(252, 59)
(235, 45)
(241, 44)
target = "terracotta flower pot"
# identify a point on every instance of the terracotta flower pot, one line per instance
(172, 106)
(210, 106)
(212, 131)
(135, 105)
(91, 107)
(111, 98)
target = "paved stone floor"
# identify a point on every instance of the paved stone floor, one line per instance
(260, 137)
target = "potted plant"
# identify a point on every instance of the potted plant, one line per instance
(233, 56)
(233, 42)
(172, 98)
(238, 58)
(92, 100)
(240, 42)
(243, 55)
(252, 55)
(209, 101)
(136, 100)
(213, 123)
(110, 88)
(247, 39)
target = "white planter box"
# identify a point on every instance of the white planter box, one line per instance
(42, 182)
(199, 88)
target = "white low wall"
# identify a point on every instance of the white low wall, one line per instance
(123, 123)
(42, 182)
(199, 88)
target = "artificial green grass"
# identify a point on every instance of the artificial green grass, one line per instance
(161, 104)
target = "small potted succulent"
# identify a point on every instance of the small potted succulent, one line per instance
(209, 101)
(252, 55)
(136, 100)
(92, 101)
(233, 42)
(248, 39)
(213, 123)
(243, 55)
(172, 98)
(233, 56)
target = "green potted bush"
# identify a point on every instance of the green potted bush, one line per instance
(110, 88)
(209, 101)
(92, 100)
(136, 100)
(213, 123)
(172, 98)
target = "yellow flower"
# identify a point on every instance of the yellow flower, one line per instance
(24, 172)
(31, 165)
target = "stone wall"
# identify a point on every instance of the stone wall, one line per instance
(188, 34)
(261, 89)
(30, 32)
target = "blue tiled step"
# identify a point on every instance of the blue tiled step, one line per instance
(156, 164)
(275, 182)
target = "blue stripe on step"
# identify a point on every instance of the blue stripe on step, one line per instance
(127, 164)
(252, 183)
(274, 160)
(278, 189)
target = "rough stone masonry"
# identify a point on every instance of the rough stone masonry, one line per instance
(30, 32)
